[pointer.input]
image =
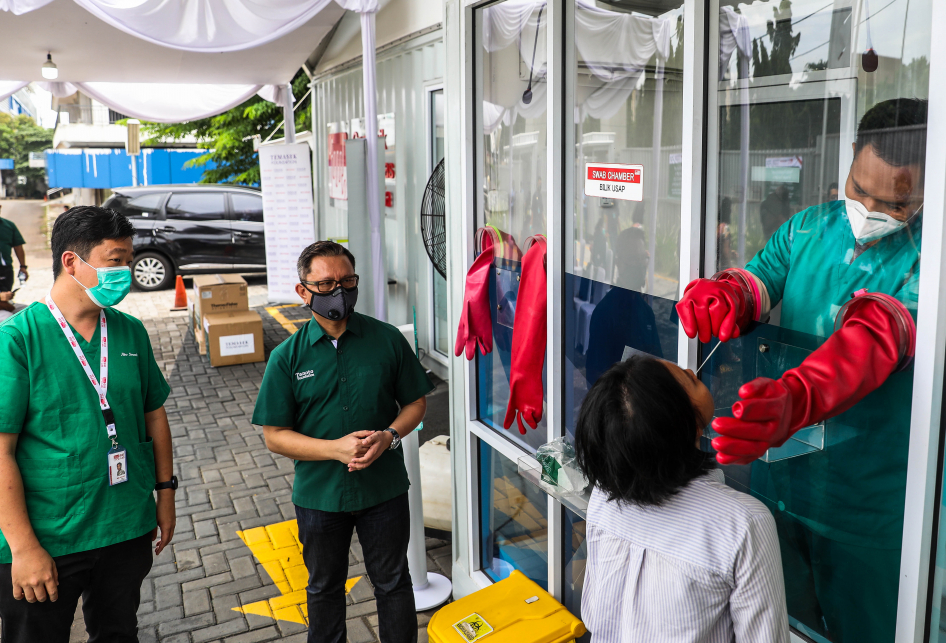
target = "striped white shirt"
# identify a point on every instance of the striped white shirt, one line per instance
(703, 567)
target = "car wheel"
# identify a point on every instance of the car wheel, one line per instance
(151, 271)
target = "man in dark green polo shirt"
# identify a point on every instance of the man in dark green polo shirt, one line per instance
(11, 241)
(82, 394)
(337, 398)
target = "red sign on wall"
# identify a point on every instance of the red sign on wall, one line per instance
(615, 181)
(337, 170)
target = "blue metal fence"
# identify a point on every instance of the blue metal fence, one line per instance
(111, 168)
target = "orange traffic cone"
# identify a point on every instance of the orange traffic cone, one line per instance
(180, 295)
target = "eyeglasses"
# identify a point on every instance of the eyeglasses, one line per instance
(329, 285)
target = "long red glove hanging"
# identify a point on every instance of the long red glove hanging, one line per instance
(875, 338)
(528, 340)
(476, 327)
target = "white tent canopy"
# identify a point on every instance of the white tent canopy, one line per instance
(207, 56)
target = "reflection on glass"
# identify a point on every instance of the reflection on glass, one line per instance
(622, 258)
(792, 155)
(510, 162)
(513, 520)
(793, 88)
(575, 555)
(439, 291)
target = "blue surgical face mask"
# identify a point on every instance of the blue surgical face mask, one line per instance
(113, 285)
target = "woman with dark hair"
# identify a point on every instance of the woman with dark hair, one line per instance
(673, 553)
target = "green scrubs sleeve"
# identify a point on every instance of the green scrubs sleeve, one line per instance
(14, 382)
(909, 293)
(155, 389)
(276, 404)
(412, 381)
(17, 237)
(772, 263)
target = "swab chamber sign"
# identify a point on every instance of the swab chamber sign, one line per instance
(615, 181)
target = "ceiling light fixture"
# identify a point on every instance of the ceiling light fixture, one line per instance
(50, 71)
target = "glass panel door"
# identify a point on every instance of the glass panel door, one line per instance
(816, 112)
(622, 254)
(441, 330)
(510, 87)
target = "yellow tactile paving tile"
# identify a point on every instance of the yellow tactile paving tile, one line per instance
(279, 551)
(281, 319)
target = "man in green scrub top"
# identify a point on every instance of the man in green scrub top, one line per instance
(337, 398)
(65, 531)
(11, 241)
(846, 274)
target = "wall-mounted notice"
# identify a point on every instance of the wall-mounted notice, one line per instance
(287, 215)
(337, 170)
(615, 181)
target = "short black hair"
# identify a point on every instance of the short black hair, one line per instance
(321, 249)
(82, 228)
(636, 434)
(896, 130)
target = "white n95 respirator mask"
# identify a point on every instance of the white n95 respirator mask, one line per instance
(869, 226)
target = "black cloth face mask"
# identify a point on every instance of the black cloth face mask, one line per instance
(336, 305)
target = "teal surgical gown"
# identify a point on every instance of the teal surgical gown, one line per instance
(840, 510)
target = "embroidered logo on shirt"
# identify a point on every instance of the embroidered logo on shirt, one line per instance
(129, 354)
(304, 374)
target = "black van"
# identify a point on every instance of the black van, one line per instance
(192, 229)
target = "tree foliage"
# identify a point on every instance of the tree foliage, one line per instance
(20, 135)
(230, 157)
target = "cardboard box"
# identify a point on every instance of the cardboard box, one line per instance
(196, 327)
(233, 338)
(219, 294)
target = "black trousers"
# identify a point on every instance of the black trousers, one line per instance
(6, 278)
(384, 532)
(109, 581)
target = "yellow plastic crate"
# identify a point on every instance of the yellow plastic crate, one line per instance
(515, 610)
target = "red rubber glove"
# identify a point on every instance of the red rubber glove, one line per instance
(476, 327)
(529, 331)
(873, 341)
(719, 307)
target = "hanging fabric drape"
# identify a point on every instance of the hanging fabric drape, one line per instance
(167, 102)
(10, 87)
(204, 26)
(614, 47)
(19, 7)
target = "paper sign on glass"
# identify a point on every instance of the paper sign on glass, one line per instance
(615, 181)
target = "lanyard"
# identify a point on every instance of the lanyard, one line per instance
(101, 384)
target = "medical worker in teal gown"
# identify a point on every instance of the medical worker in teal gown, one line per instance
(846, 271)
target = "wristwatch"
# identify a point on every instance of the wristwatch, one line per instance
(172, 484)
(397, 439)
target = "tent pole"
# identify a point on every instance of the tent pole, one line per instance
(289, 116)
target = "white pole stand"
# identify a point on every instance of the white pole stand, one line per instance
(430, 589)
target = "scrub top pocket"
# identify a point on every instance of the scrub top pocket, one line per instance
(52, 487)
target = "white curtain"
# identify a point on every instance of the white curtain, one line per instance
(168, 103)
(733, 34)
(10, 87)
(59, 89)
(196, 25)
(618, 45)
(19, 7)
(614, 47)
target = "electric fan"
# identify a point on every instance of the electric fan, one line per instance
(432, 220)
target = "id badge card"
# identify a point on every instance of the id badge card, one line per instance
(117, 466)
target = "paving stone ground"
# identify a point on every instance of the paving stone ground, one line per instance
(229, 482)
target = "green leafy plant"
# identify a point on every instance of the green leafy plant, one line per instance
(20, 135)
